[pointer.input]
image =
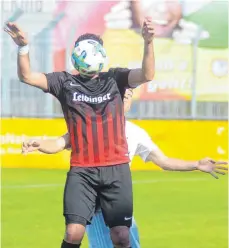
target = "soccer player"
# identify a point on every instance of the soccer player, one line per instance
(139, 143)
(93, 110)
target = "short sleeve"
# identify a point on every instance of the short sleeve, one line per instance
(121, 77)
(145, 146)
(55, 83)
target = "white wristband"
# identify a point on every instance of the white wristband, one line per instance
(22, 50)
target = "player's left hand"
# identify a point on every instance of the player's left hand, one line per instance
(212, 167)
(148, 30)
(16, 34)
(30, 146)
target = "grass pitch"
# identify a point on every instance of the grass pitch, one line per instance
(173, 210)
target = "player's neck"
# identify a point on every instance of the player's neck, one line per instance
(94, 76)
(90, 78)
(76, 73)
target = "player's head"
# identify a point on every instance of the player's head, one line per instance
(89, 36)
(88, 55)
(127, 100)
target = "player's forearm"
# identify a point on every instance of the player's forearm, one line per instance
(148, 63)
(23, 65)
(173, 164)
(27, 76)
(50, 146)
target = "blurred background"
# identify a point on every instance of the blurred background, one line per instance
(184, 109)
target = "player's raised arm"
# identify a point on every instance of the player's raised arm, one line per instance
(49, 146)
(23, 63)
(146, 73)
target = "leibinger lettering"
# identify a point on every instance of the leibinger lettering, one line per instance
(83, 98)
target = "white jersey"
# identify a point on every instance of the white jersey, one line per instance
(139, 142)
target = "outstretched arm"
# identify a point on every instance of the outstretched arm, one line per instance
(206, 165)
(49, 146)
(23, 63)
(146, 73)
(149, 151)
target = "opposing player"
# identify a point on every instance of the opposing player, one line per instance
(93, 109)
(139, 143)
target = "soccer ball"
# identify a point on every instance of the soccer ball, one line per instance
(88, 57)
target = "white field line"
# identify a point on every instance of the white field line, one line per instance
(26, 186)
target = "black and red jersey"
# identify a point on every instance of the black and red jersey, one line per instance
(93, 110)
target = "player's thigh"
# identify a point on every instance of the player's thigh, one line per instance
(79, 197)
(116, 197)
(98, 233)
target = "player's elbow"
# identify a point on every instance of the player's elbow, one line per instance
(60, 144)
(165, 168)
(24, 78)
(147, 77)
(158, 158)
(150, 76)
(164, 165)
(24, 75)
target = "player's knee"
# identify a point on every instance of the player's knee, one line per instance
(74, 233)
(120, 236)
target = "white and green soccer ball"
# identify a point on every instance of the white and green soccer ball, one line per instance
(88, 57)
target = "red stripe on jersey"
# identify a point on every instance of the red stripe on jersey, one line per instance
(72, 137)
(89, 140)
(110, 135)
(118, 124)
(99, 122)
(80, 140)
(123, 127)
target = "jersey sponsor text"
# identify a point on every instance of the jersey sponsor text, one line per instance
(83, 98)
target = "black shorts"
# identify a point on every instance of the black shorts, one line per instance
(111, 185)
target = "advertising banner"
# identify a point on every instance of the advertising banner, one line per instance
(191, 140)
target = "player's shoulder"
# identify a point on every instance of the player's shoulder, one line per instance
(62, 75)
(110, 72)
(69, 79)
(57, 77)
(135, 129)
(115, 70)
(75, 79)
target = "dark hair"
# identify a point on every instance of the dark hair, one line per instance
(89, 36)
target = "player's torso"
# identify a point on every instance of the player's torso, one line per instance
(94, 114)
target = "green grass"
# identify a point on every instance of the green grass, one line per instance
(173, 210)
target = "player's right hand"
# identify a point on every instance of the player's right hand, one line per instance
(148, 30)
(16, 34)
(30, 146)
(212, 167)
